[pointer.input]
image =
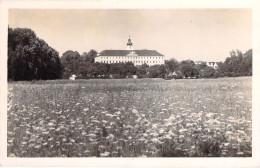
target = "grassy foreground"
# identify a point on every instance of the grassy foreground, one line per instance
(130, 118)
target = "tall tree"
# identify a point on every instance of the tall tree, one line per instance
(30, 57)
(171, 64)
(70, 62)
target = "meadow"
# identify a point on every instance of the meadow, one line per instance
(130, 118)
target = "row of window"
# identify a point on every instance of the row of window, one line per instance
(139, 57)
(130, 61)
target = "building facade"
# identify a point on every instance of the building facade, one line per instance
(137, 57)
(210, 64)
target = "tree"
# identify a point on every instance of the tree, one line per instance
(130, 68)
(238, 64)
(89, 56)
(156, 71)
(171, 64)
(30, 57)
(207, 72)
(103, 69)
(70, 61)
(141, 71)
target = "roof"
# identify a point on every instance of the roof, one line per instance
(129, 42)
(127, 52)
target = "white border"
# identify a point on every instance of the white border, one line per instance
(253, 161)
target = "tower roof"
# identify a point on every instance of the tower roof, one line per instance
(129, 42)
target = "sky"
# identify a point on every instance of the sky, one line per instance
(196, 34)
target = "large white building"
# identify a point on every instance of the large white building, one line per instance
(138, 57)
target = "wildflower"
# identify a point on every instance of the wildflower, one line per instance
(134, 111)
(155, 140)
(226, 144)
(209, 115)
(141, 139)
(50, 139)
(50, 124)
(38, 146)
(161, 130)
(182, 130)
(145, 134)
(110, 136)
(85, 109)
(189, 125)
(229, 133)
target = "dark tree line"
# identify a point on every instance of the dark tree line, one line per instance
(83, 66)
(30, 57)
(238, 64)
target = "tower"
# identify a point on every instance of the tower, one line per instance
(129, 44)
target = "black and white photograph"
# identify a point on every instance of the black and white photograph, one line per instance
(129, 83)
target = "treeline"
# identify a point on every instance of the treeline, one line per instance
(31, 58)
(238, 64)
(83, 66)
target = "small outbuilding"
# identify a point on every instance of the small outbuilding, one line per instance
(73, 77)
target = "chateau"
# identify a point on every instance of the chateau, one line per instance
(138, 57)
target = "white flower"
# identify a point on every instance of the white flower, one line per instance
(209, 115)
(134, 111)
(50, 124)
(183, 130)
(161, 130)
(91, 135)
(85, 109)
(229, 133)
(155, 140)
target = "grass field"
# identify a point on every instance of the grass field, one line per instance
(130, 118)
